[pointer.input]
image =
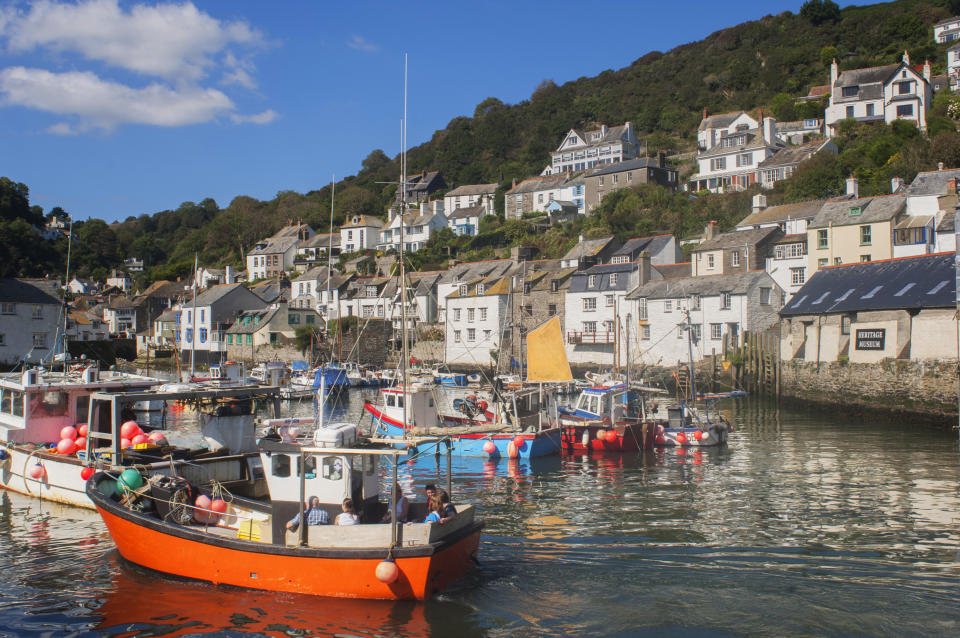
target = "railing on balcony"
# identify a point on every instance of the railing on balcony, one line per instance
(590, 337)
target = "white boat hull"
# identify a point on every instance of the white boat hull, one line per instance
(61, 481)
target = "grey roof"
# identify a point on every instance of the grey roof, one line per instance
(292, 230)
(118, 303)
(709, 286)
(265, 315)
(792, 155)
(268, 291)
(359, 221)
(932, 182)
(720, 120)
(652, 245)
(579, 282)
(783, 212)
(460, 213)
(869, 75)
(675, 271)
(754, 140)
(738, 238)
(318, 273)
(588, 247)
(19, 291)
(167, 316)
(872, 209)
(322, 241)
(927, 281)
(273, 245)
(472, 189)
(946, 224)
(622, 167)
(212, 295)
(799, 125)
(947, 21)
(548, 182)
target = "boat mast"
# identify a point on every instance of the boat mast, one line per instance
(193, 334)
(66, 277)
(403, 271)
(693, 376)
(333, 187)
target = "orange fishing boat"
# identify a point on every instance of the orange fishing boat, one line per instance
(201, 532)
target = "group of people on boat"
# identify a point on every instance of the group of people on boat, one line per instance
(439, 510)
(316, 515)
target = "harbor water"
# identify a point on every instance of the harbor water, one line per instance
(806, 524)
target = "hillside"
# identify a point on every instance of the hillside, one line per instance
(762, 63)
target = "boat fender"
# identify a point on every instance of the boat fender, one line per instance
(482, 405)
(681, 438)
(512, 450)
(490, 447)
(37, 471)
(698, 435)
(86, 473)
(387, 571)
(586, 438)
(610, 436)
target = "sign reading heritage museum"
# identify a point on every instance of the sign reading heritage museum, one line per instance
(871, 339)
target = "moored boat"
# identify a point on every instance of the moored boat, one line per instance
(246, 542)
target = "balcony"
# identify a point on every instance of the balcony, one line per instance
(590, 337)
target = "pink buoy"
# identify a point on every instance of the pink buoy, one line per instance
(86, 473)
(387, 571)
(36, 471)
(66, 447)
(140, 439)
(155, 437)
(81, 443)
(69, 432)
(681, 438)
(203, 503)
(82, 429)
(129, 430)
(219, 506)
(660, 439)
(125, 443)
(512, 451)
(489, 447)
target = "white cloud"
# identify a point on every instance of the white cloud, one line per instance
(362, 44)
(258, 118)
(238, 72)
(172, 41)
(103, 104)
(62, 128)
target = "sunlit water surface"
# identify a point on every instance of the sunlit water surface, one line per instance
(805, 525)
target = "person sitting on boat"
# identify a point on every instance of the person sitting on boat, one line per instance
(403, 505)
(349, 514)
(447, 510)
(315, 515)
(430, 490)
(435, 507)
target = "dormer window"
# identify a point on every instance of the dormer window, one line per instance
(463, 289)
(850, 91)
(855, 211)
(572, 140)
(480, 289)
(592, 281)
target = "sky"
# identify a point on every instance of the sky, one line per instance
(114, 109)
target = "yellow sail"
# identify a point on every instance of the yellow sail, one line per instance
(546, 357)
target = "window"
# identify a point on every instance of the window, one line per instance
(554, 286)
(726, 301)
(870, 109)
(735, 258)
(904, 88)
(592, 281)
(744, 159)
(668, 305)
(551, 309)
(589, 304)
(250, 339)
(471, 312)
(716, 331)
(710, 260)
(366, 311)
(822, 262)
(38, 312)
(797, 276)
(203, 335)
(528, 310)
(642, 308)
(483, 314)
(837, 261)
(864, 258)
(456, 336)
(601, 180)
(229, 340)
(613, 279)
(905, 110)
(718, 164)
(280, 465)
(3, 339)
(8, 308)
(471, 334)
(695, 332)
(680, 332)
(695, 302)
(589, 326)
(463, 289)
(616, 178)
(822, 240)
(456, 314)
(645, 332)
(610, 301)
(849, 91)
(764, 296)
(40, 340)
(855, 211)
(845, 324)
(865, 235)
(849, 111)
(379, 311)
(202, 312)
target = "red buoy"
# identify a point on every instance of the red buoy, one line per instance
(489, 447)
(387, 571)
(660, 439)
(68, 432)
(610, 436)
(681, 438)
(86, 473)
(82, 429)
(698, 435)
(66, 447)
(129, 429)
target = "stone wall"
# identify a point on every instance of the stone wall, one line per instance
(927, 388)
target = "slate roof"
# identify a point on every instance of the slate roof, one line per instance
(737, 239)
(265, 315)
(588, 247)
(547, 182)
(472, 189)
(122, 303)
(580, 281)
(211, 295)
(363, 221)
(946, 224)
(622, 167)
(637, 245)
(709, 286)
(792, 155)
(720, 120)
(322, 241)
(273, 245)
(932, 182)
(873, 209)
(463, 213)
(754, 140)
(868, 75)
(317, 273)
(675, 271)
(947, 21)
(783, 212)
(927, 281)
(292, 230)
(18, 291)
(167, 316)
(493, 285)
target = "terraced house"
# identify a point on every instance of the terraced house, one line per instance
(582, 149)
(477, 312)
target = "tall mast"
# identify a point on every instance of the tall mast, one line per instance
(63, 341)
(193, 328)
(693, 376)
(403, 270)
(333, 187)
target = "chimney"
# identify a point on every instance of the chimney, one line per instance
(769, 130)
(580, 239)
(423, 208)
(423, 174)
(759, 202)
(662, 159)
(228, 274)
(704, 112)
(834, 73)
(896, 184)
(710, 231)
(853, 187)
(906, 57)
(514, 183)
(951, 186)
(939, 166)
(926, 71)
(603, 129)
(644, 262)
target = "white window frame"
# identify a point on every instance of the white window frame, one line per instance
(589, 304)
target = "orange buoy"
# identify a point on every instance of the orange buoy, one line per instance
(512, 450)
(681, 438)
(489, 447)
(610, 436)
(86, 473)
(482, 405)
(698, 435)
(601, 435)
(387, 571)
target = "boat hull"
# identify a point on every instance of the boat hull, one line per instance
(179, 551)
(505, 444)
(60, 482)
(582, 438)
(687, 436)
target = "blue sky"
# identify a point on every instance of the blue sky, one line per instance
(111, 109)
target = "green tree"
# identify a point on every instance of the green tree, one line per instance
(828, 54)
(820, 11)
(783, 107)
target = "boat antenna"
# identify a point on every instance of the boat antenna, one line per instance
(403, 272)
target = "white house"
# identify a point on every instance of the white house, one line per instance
(720, 305)
(466, 221)
(78, 286)
(731, 147)
(120, 280)
(271, 257)
(584, 149)
(880, 93)
(947, 30)
(785, 162)
(928, 225)
(202, 324)
(477, 312)
(592, 303)
(536, 193)
(29, 319)
(470, 195)
(86, 326)
(453, 277)
(417, 229)
(361, 233)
